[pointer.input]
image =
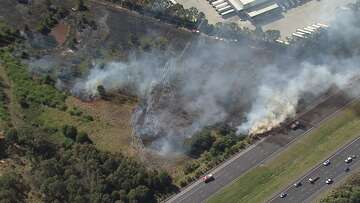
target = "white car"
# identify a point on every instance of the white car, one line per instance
(326, 163)
(208, 178)
(329, 181)
(348, 160)
(283, 195)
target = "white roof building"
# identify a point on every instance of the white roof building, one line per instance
(266, 9)
(244, 4)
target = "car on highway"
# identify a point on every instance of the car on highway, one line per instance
(347, 169)
(297, 184)
(348, 160)
(313, 180)
(283, 195)
(326, 163)
(329, 181)
(208, 178)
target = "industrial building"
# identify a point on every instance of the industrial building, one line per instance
(252, 8)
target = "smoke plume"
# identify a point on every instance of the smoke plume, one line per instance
(220, 82)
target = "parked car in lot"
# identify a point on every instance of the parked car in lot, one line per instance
(313, 180)
(329, 181)
(348, 160)
(208, 178)
(326, 163)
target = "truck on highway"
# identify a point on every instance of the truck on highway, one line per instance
(313, 180)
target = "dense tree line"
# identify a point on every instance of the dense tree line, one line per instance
(11, 188)
(209, 148)
(193, 19)
(78, 173)
(82, 174)
(166, 11)
(216, 140)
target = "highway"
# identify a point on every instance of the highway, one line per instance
(263, 150)
(307, 192)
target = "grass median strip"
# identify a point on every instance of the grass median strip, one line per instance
(262, 182)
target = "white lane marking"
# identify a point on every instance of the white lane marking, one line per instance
(344, 147)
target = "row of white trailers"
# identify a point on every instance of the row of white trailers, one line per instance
(304, 32)
(222, 6)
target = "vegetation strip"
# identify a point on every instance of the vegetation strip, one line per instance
(265, 180)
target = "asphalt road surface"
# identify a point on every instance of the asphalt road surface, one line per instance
(336, 171)
(262, 151)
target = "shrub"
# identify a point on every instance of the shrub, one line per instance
(69, 131)
(82, 138)
(12, 136)
(200, 142)
(190, 167)
(88, 118)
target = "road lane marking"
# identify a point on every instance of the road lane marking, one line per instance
(341, 149)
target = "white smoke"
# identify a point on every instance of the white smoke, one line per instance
(139, 74)
(217, 82)
(277, 100)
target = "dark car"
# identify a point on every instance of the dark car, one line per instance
(297, 184)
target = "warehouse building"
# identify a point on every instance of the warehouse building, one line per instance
(252, 8)
(240, 5)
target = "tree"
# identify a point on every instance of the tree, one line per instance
(141, 194)
(272, 35)
(82, 138)
(69, 131)
(200, 142)
(12, 136)
(81, 5)
(11, 189)
(164, 180)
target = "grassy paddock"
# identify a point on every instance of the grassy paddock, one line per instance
(263, 181)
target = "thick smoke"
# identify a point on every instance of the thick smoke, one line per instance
(138, 74)
(217, 82)
(278, 94)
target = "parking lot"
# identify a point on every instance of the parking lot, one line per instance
(295, 14)
(302, 15)
(212, 15)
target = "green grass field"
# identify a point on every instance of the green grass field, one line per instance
(262, 182)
